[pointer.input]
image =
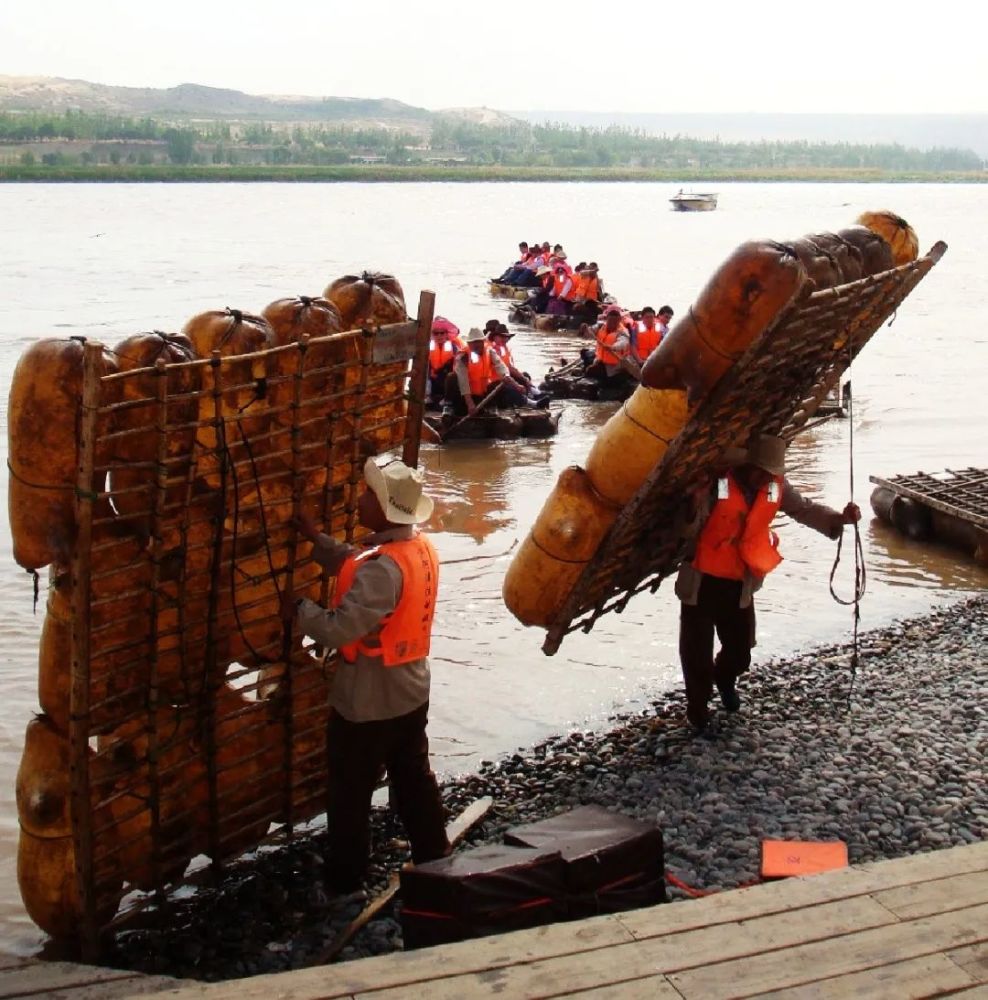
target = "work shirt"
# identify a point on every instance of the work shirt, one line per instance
(817, 516)
(365, 690)
(463, 376)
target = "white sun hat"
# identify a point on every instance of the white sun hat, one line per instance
(399, 492)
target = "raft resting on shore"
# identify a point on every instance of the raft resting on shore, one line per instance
(949, 507)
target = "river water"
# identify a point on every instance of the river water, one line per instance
(110, 260)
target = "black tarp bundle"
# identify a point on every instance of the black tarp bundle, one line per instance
(578, 864)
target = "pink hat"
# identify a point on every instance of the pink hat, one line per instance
(442, 325)
(613, 310)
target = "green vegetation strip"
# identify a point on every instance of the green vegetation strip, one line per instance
(127, 173)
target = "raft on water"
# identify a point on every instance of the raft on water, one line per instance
(500, 425)
(571, 383)
(159, 482)
(949, 507)
(502, 291)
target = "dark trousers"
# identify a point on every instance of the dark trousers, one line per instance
(507, 397)
(356, 753)
(437, 382)
(716, 609)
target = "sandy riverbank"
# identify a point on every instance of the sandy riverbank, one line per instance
(893, 767)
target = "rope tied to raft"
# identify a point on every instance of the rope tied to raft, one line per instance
(860, 572)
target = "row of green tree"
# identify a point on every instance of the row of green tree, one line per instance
(518, 144)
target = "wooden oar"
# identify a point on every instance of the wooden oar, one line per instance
(564, 370)
(632, 367)
(431, 432)
(455, 832)
(444, 434)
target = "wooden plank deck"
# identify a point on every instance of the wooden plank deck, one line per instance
(30, 977)
(912, 927)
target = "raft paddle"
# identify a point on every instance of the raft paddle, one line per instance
(444, 434)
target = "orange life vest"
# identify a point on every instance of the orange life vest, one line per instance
(406, 633)
(737, 539)
(439, 356)
(504, 353)
(480, 371)
(605, 343)
(559, 282)
(587, 287)
(647, 340)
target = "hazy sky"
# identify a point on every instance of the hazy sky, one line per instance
(823, 56)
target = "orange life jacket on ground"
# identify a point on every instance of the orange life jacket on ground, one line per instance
(737, 539)
(480, 371)
(605, 343)
(406, 633)
(647, 340)
(439, 356)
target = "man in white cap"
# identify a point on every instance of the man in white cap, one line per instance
(380, 621)
(735, 550)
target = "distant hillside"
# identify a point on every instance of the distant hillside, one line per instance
(915, 131)
(191, 100)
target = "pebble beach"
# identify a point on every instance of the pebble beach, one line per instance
(891, 761)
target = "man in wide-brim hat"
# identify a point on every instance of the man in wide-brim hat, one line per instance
(380, 622)
(479, 371)
(735, 549)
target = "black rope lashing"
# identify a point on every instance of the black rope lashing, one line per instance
(860, 572)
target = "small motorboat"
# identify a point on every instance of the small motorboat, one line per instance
(690, 201)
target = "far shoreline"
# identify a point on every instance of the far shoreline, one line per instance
(390, 174)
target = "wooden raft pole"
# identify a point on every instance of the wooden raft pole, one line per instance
(82, 819)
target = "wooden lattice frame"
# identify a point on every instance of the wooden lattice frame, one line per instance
(962, 493)
(774, 388)
(385, 381)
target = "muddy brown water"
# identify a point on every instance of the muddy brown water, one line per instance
(107, 261)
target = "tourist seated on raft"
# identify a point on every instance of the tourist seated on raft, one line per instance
(649, 331)
(522, 273)
(538, 301)
(444, 345)
(609, 360)
(588, 293)
(514, 271)
(477, 373)
(498, 335)
(562, 293)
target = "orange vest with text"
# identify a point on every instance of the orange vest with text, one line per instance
(439, 356)
(406, 633)
(605, 343)
(480, 371)
(647, 340)
(737, 538)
